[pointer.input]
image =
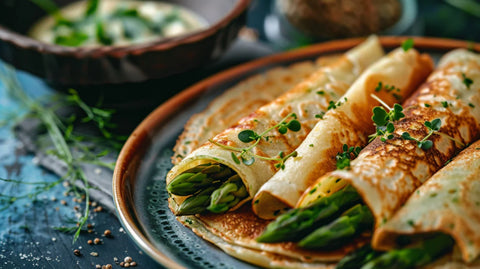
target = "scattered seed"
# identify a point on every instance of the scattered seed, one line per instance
(54, 239)
(122, 264)
(94, 204)
(77, 252)
(98, 266)
(94, 254)
(108, 266)
(127, 264)
(54, 199)
(76, 208)
(107, 233)
(115, 259)
(133, 264)
(89, 226)
(89, 242)
(128, 259)
(63, 202)
(97, 241)
(90, 231)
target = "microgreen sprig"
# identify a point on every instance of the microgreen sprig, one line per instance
(467, 81)
(433, 127)
(384, 120)
(246, 156)
(343, 158)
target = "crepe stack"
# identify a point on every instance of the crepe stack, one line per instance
(306, 100)
(387, 173)
(347, 124)
(236, 232)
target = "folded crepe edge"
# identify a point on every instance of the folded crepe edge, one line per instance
(447, 220)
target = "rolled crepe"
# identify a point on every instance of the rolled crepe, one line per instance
(386, 173)
(306, 100)
(448, 202)
(348, 124)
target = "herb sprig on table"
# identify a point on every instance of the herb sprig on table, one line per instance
(246, 156)
(64, 137)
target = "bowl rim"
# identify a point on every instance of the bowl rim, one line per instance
(142, 135)
(26, 42)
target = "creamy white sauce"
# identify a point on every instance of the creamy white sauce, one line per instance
(45, 30)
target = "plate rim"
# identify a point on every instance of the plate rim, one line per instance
(137, 143)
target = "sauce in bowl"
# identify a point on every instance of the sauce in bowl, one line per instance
(115, 23)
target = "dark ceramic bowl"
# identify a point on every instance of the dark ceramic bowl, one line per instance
(117, 64)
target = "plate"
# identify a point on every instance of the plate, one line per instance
(139, 177)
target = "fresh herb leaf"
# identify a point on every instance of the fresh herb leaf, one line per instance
(235, 158)
(75, 39)
(247, 136)
(92, 7)
(294, 125)
(102, 35)
(343, 158)
(407, 44)
(467, 81)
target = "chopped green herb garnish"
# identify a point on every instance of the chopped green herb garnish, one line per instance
(320, 116)
(343, 158)
(444, 104)
(321, 92)
(407, 44)
(467, 81)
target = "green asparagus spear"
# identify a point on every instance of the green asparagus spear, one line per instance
(196, 204)
(299, 222)
(358, 257)
(427, 251)
(348, 225)
(228, 195)
(195, 179)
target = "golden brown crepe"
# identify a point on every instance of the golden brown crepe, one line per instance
(387, 173)
(303, 100)
(225, 110)
(235, 233)
(348, 124)
(449, 202)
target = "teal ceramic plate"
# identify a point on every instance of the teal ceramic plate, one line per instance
(139, 177)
